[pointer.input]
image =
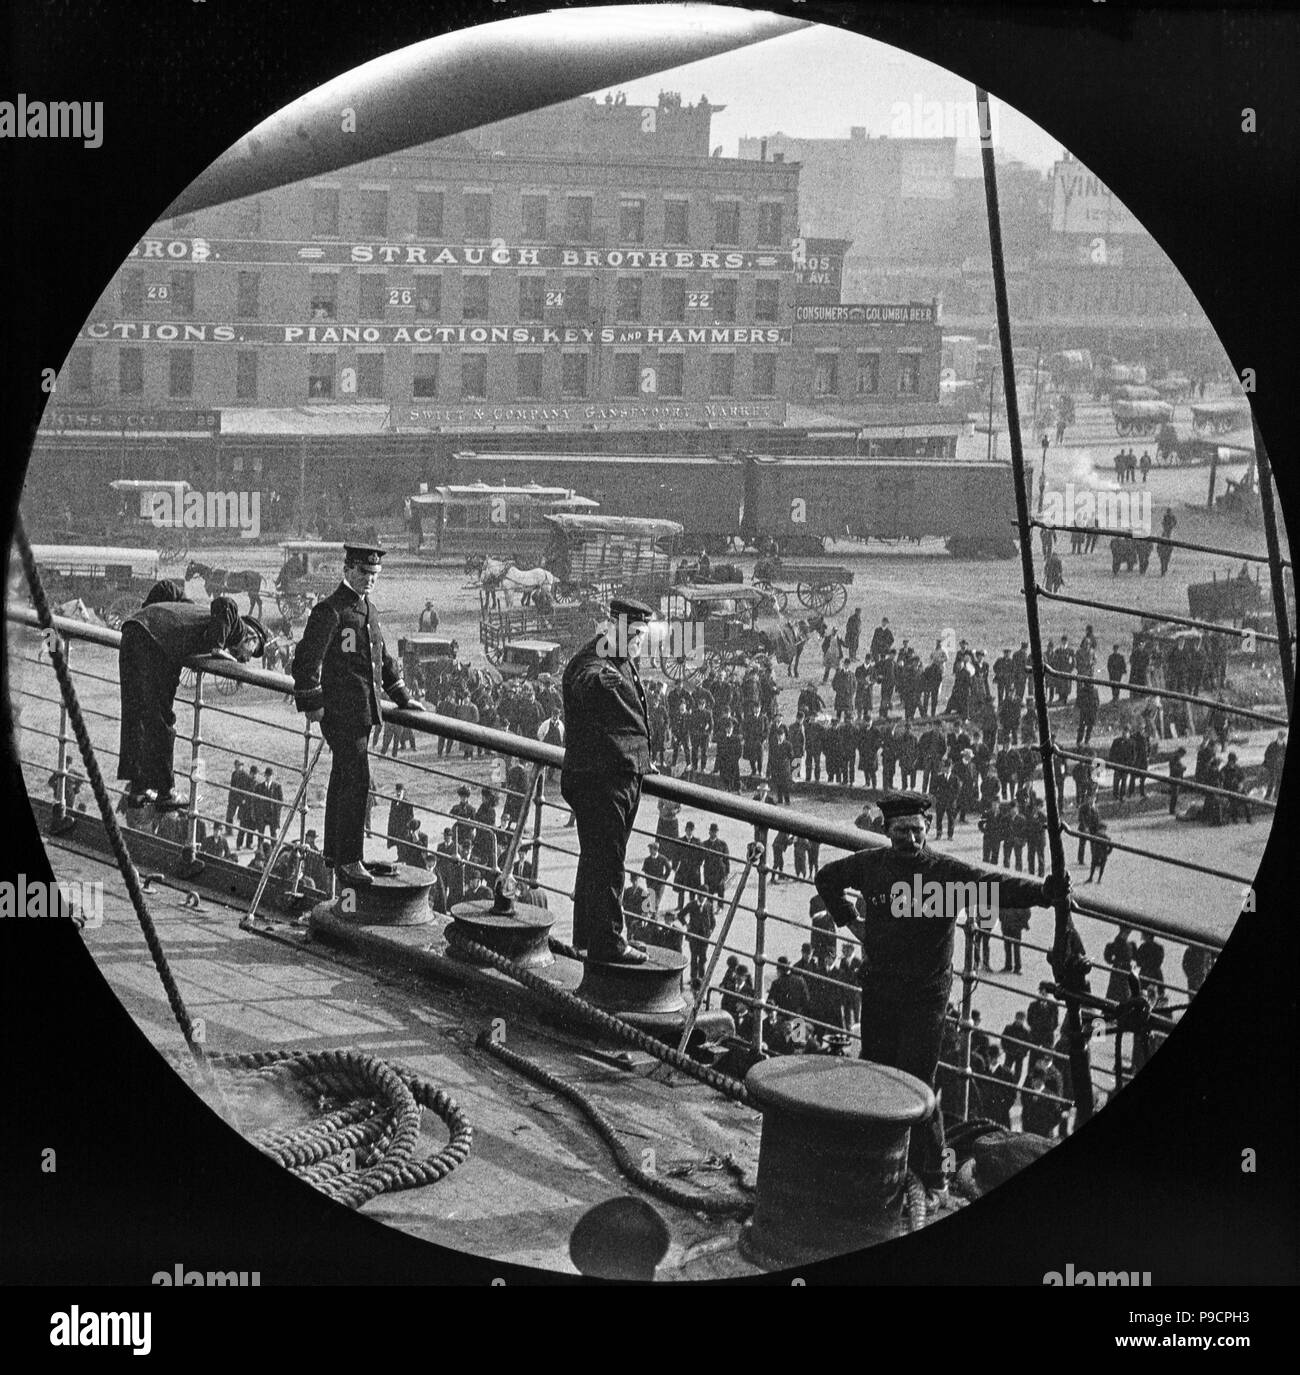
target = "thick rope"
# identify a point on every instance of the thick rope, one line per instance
(95, 777)
(627, 1164)
(365, 1143)
(615, 1026)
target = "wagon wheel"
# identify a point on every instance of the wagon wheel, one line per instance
(188, 678)
(120, 608)
(492, 652)
(227, 687)
(679, 670)
(837, 596)
(174, 548)
(807, 595)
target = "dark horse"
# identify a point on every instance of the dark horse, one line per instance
(221, 581)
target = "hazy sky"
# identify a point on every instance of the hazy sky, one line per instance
(820, 81)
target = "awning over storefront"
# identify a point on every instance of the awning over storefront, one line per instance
(357, 418)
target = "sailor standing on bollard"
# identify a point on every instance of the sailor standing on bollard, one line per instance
(340, 668)
(607, 752)
(907, 953)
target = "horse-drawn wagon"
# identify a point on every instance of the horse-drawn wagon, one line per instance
(722, 623)
(500, 627)
(597, 557)
(155, 509)
(312, 569)
(819, 587)
(504, 522)
(1218, 417)
(1140, 417)
(111, 581)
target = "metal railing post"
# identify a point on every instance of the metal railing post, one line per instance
(539, 799)
(62, 818)
(1284, 642)
(300, 859)
(967, 1003)
(190, 861)
(760, 936)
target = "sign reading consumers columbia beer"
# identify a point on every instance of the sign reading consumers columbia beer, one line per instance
(496, 254)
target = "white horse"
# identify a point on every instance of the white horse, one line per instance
(505, 578)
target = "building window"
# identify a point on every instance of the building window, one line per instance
(474, 297)
(246, 375)
(532, 214)
(626, 368)
(826, 374)
(726, 222)
(722, 374)
(528, 374)
(473, 376)
(324, 211)
(724, 298)
(628, 298)
(673, 294)
(676, 221)
(577, 219)
(424, 382)
(133, 292)
(767, 294)
(428, 214)
(79, 372)
(182, 291)
(532, 297)
(373, 296)
(320, 375)
(130, 372)
(246, 295)
(324, 295)
(248, 218)
(909, 374)
(180, 372)
(868, 374)
(631, 220)
(577, 298)
(373, 219)
(769, 222)
(573, 374)
(370, 375)
(671, 372)
(478, 215)
(764, 374)
(428, 297)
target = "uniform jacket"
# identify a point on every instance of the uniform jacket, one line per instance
(183, 629)
(344, 672)
(607, 725)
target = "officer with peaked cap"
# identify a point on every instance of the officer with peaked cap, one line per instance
(340, 667)
(907, 947)
(157, 641)
(607, 752)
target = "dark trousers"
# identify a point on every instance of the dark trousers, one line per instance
(944, 809)
(148, 681)
(345, 800)
(908, 1035)
(604, 807)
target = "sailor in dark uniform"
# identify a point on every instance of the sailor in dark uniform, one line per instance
(340, 667)
(607, 752)
(907, 955)
(156, 642)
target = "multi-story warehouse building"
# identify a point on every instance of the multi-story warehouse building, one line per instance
(588, 276)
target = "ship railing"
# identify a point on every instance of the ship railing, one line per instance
(214, 723)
